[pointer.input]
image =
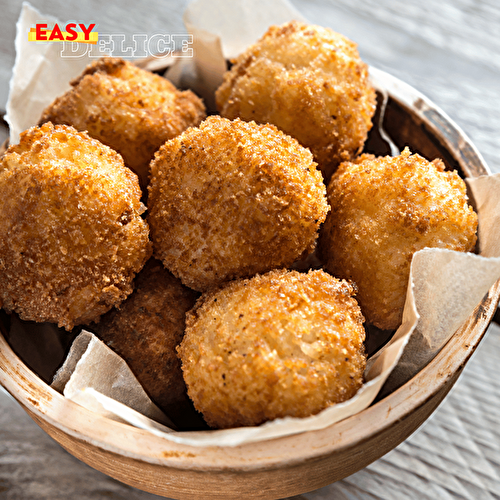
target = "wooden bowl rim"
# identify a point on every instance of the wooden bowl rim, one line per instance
(48, 405)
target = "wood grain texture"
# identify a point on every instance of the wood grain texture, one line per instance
(447, 49)
(149, 16)
(454, 455)
(265, 470)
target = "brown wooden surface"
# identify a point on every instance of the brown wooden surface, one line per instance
(272, 469)
(262, 484)
(450, 51)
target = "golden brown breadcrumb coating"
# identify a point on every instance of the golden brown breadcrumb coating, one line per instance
(71, 234)
(384, 210)
(127, 108)
(308, 81)
(230, 199)
(145, 331)
(281, 344)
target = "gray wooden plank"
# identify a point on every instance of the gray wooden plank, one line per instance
(450, 51)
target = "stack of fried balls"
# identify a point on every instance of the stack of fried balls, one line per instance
(197, 290)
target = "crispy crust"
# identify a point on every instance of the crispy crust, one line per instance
(71, 235)
(308, 81)
(280, 344)
(230, 199)
(127, 108)
(145, 331)
(383, 211)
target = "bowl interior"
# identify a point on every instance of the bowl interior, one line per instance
(409, 119)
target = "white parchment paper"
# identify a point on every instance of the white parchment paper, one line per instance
(444, 286)
(40, 73)
(223, 29)
(90, 363)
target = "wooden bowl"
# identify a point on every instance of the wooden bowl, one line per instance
(294, 464)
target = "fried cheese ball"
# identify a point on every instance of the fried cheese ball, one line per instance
(145, 331)
(127, 108)
(71, 234)
(384, 210)
(231, 199)
(280, 344)
(308, 81)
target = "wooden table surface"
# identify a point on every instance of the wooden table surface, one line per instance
(450, 51)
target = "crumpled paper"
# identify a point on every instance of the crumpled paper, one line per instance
(89, 364)
(443, 289)
(222, 29)
(40, 74)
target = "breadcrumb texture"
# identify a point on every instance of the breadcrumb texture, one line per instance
(310, 82)
(231, 199)
(384, 210)
(127, 108)
(71, 234)
(281, 344)
(145, 331)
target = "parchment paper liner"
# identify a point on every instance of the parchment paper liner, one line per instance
(444, 286)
